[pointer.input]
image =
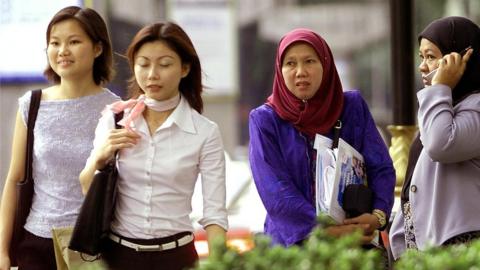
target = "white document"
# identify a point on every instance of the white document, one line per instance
(336, 169)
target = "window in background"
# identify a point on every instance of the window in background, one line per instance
(22, 35)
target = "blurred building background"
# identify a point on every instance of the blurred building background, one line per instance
(236, 41)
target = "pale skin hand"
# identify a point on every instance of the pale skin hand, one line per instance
(451, 68)
(214, 232)
(117, 139)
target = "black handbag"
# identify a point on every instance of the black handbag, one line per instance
(92, 227)
(24, 189)
(357, 200)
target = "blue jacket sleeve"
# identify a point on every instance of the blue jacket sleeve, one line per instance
(290, 216)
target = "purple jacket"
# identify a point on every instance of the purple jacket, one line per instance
(280, 159)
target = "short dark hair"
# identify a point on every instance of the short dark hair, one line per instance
(174, 36)
(96, 29)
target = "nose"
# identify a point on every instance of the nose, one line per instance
(63, 50)
(153, 72)
(423, 67)
(301, 71)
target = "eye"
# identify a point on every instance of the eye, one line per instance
(431, 57)
(75, 41)
(53, 43)
(142, 62)
(311, 60)
(165, 65)
(289, 63)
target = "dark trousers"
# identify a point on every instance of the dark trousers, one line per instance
(121, 257)
(36, 253)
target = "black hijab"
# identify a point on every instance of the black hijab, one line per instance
(454, 34)
(449, 34)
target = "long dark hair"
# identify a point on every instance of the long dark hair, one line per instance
(174, 36)
(96, 29)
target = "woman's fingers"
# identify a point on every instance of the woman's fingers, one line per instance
(451, 68)
(116, 140)
(367, 238)
(117, 133)
(467, 55)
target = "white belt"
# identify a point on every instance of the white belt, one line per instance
(170, 245)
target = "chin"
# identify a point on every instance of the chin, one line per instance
(304, 97)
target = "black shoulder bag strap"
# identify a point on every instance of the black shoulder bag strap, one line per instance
(336, 133)
(32, 117)
(24, 189)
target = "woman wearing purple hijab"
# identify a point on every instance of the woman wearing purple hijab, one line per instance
(441, 192)
(308, 99)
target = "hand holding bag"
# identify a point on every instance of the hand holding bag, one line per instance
(93, 223)
(24, 189)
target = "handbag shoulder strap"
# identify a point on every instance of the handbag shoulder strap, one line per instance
(32, 117)
(118, 117)
(336, 133)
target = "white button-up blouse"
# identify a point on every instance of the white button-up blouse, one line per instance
(158, 175)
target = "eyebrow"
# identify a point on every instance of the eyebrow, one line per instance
(158, 58)
(68, 37)
(302, 56)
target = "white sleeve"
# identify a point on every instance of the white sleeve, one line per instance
(212, 170)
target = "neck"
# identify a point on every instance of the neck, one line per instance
(78, 88)
(163, 105)
(155, 119)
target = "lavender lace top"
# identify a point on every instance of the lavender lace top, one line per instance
(64, 133)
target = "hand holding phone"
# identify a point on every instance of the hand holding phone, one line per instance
(429, 77)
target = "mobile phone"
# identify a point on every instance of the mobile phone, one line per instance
(429, 77)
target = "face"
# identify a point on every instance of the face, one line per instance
(71, 52)
(302, 70)
(429, 54)
(158, 70)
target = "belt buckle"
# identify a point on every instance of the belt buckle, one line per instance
(140, 248)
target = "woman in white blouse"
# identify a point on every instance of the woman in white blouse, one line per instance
(165, 145)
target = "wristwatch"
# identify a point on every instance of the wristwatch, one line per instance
(381, 217)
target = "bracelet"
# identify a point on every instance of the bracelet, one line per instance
(382, 217)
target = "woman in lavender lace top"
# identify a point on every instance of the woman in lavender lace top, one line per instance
(80, 62)
(308, 99)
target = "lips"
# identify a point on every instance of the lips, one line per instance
(154, 87)
(302, 83)
(64, 62)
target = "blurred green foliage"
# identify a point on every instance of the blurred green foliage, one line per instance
(321, 252)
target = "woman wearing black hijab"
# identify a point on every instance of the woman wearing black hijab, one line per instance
(441, 193)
